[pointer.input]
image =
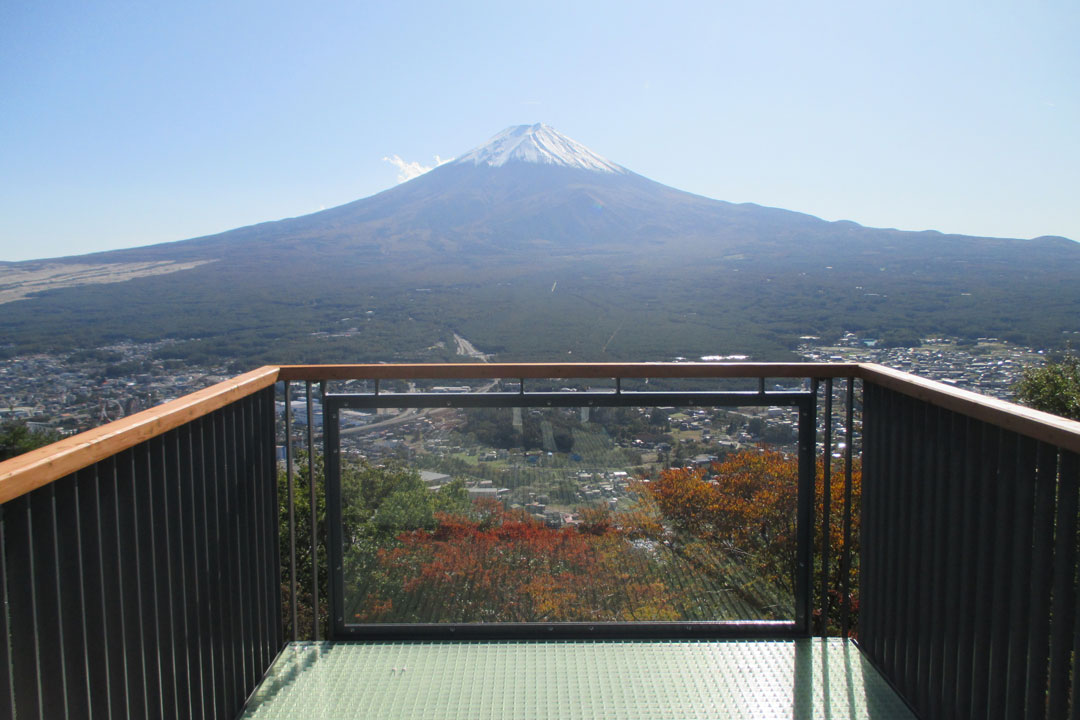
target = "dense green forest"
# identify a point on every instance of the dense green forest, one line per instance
(560, 313)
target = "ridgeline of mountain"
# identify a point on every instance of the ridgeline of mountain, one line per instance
(534, 246)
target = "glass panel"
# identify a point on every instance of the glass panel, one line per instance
(569, 514)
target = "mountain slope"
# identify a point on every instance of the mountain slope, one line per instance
(531, 208)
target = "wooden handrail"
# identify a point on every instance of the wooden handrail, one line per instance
(39, 467)
(487, 371)
(1036, 424)
(1033, 423)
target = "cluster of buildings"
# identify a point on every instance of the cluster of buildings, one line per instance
(594, 489)
(72, 392)
(989, 366)
(76, 391)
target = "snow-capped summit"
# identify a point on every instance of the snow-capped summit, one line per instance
(540, 144)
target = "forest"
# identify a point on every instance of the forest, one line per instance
(582, 312)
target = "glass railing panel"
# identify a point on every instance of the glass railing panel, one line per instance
(568, 514)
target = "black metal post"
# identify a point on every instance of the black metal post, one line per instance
(845, 559)
(314, 517)
(1038, 624)
(826, 498)
(1063, 611)
(292, 509)
(335, 544)
(804, 595)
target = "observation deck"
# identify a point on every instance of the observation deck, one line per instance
(905, 549)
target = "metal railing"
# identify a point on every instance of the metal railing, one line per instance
(140, 570)
(802, 401)
(145, 583)
(812, 595)
(969, 568)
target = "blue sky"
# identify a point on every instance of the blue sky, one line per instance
(130, 123)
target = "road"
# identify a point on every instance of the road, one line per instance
(403, 416)
(464, 347)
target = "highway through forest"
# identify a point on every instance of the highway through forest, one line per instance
(464, 347)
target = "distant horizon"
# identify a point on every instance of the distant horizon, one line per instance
(132, 126)
(418, 171)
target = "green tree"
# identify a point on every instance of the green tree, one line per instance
(302, 515)
(1053, 387)
(364, 488)
(17, 438)
(378, 503)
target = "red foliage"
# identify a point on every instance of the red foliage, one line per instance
(694, 536)
(504, 566)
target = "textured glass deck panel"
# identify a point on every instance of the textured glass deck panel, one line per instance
(564, 680)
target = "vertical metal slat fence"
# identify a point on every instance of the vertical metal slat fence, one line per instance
(117, 581)
(969, 562)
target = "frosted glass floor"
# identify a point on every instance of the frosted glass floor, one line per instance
(564, 680)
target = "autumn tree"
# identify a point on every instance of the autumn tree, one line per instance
(746, 509)
(377, 503)
(700, 544)
(498, 565)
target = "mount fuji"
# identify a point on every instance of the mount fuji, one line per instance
(479, 244)
(529, 189)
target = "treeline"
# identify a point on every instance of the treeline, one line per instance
(559, 312)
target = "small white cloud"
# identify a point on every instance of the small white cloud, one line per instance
(408, 170)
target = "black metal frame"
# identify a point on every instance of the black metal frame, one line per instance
(333, 404)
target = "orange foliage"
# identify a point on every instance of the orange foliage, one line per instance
(747, 507)
(694, 536)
